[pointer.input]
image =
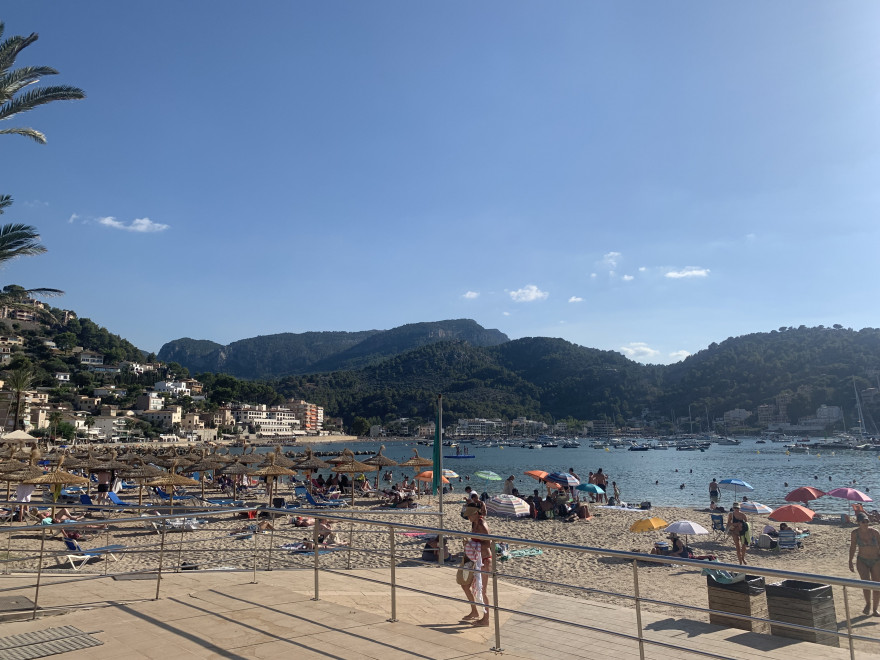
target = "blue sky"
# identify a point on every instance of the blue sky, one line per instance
(633, 176)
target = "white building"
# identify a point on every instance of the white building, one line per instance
(175, 387)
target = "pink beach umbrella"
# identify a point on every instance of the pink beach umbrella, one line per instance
(849, 494)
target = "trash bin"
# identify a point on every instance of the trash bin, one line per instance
(745, 597)
(805, 604)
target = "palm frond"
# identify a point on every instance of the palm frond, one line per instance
(15, 80)
(5, 200)
(18, 240)
(27, 132)
(10, 49)
(45, 293)
(37, 97)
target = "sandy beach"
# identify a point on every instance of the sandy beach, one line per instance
(216, 545)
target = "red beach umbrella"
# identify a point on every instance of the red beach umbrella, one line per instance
(793, 513)
(540, 475)
(804, 494)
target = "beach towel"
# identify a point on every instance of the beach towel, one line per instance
(524, 552)
(473, 551)
(724, 577)
(302, 549)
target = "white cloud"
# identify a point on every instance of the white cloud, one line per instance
(751, 237)
(73, 218)
(34, 203)
(575, 299)
(593, 276)
(678, 356)
(471, 295)
(642, 269)
(505, 313)
(639, 351)
(628, 278)
(610, 259)
(138, 225)
(690, 271)
(529, 293)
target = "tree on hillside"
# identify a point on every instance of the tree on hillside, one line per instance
(19, 382)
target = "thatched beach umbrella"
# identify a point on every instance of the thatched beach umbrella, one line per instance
(272, 472)
(417, 462)
(141, 473)
(250, 458)
(57, 478)
(236, 469)
(353, 467)
(202, 467)
(380, 461)
(173, 480)
(277, 458)
(309, 464)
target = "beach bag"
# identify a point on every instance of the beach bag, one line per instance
(464, 575)
(645, 505)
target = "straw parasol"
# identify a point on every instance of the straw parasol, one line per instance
(309, 464)
(17, 436)
(250, 457)
(272, 472)
(236, 469)
(57, 478)
(353, 467)
(202, 467)
(140, 474)
(278, 458)
(172, 479)
(380, 461)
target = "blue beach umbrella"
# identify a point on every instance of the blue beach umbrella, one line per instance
(590, 488)
(735, 485)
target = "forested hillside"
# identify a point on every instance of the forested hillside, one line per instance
(552, 379)
(274, 356)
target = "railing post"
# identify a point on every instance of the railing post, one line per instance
(256, 534)
(161, 559)
(852, 651)
(39, 575)
(393, 618)
(638, 608)
(315, 548)
(179, 547)
(497, 648)
(271, 543)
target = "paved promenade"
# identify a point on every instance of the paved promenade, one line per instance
(225, 615)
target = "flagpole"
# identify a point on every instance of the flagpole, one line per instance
(440, 437)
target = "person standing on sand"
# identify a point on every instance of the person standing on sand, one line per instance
(602, 482)
(480, 552)
(714, 492)
(508, 485)
(616, 493)
(866, 540)
(738, 528)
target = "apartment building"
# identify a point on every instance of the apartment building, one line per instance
(149, 401)
(311, 416)
(265, 420)
(165, 419)
(175, 387)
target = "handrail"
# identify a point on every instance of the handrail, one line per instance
(491, 572)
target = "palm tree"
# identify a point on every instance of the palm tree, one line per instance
(13, 81)
(19, 382)
(55, 417)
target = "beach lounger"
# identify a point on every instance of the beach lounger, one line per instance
(83, 556)
(307, 496)
(165, 497)
(87, 501)
(114, 498)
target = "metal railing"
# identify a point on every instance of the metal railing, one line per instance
(248, 558)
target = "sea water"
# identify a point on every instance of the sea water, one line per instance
(662, 477)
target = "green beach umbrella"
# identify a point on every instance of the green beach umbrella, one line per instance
(488, 476)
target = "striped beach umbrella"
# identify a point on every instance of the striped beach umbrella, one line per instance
(755, 507)
(563, 478)
(507, 505)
